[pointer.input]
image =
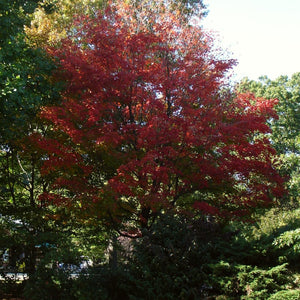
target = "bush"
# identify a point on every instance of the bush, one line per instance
(166, 263)
(260, 283)
(48, 284)
(180, 258)
(286, 295)
(103, 283)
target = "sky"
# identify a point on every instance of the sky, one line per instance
(263, 35)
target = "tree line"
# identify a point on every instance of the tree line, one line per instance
(119, 125)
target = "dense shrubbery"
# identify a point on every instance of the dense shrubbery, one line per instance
(180, 258)
(49, 283)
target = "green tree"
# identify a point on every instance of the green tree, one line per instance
(13, 16)
(286, 129)
(275, 234)
(24, 74)
(25, 86)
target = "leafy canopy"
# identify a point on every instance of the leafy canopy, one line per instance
(144, 126)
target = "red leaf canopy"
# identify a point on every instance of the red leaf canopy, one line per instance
(145, 124)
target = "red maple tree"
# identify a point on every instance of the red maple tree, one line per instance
(145, 124)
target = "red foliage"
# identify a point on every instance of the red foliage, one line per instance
(143, 123)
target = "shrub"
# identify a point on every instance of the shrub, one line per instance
(260, 283)
(286, 295)
(48, 284)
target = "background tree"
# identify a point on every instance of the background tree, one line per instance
(285, 134)
(14, 16)
(53, 19)
(276, 232)
(185, 10)
(143, 125)
(25, 86)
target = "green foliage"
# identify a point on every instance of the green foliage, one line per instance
(168, 259)
(24, 88)
(48, 283)
(289, 241)
(260, 283)
(286, 295)
(273, 237)
(246, 281)
(166, 263)
(275, 220)
(13, 16)
(25, 82)
(104, 283)
(180, 258)
(289, 238)
(286, 129)
(59, 265)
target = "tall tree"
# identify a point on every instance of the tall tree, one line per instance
(25, 86)
(285, 134)
(143, 125)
